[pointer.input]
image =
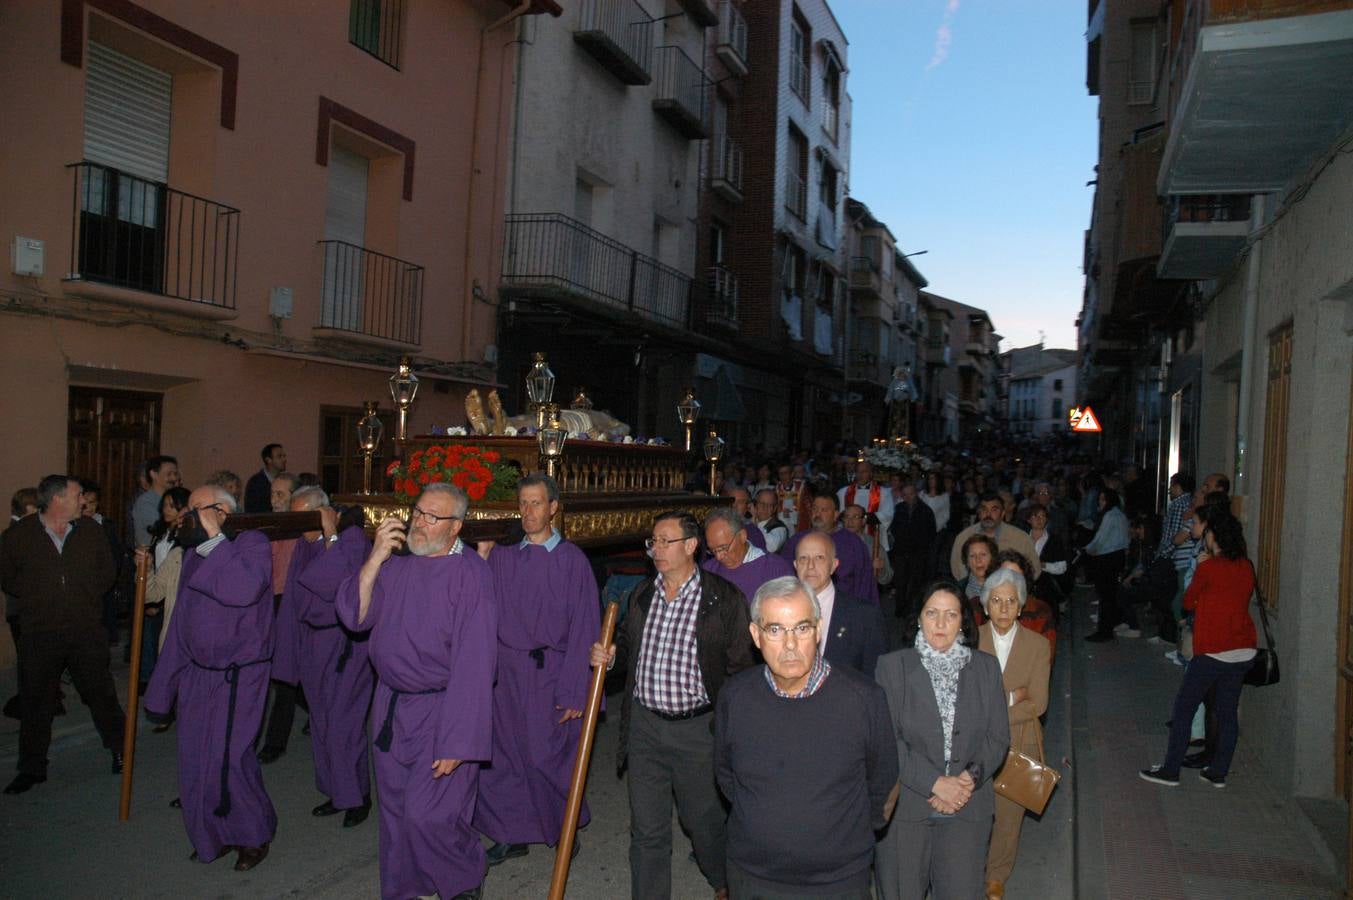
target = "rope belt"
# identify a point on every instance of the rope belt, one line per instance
(538, 654)
(347, 647)
(387, 732)
(232, 673)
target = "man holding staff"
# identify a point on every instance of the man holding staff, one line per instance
(548, 618)
(214, 668)
(433, 624)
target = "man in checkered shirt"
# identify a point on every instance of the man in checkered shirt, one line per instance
(686, 632)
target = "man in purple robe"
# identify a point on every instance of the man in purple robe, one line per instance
(733, 557)
(433, 624)
(332, 665)
(548, 617)
(855, 572)
(214, 668)
(742, 505)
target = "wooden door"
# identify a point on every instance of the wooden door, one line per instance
(1273, 486)
(109, 433)
(340, 458)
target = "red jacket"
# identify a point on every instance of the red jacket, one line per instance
(1219, 598)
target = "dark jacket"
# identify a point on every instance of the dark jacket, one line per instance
(57, 591)
(913, 528)
(258, 493)
(723, 643)
(981, 731)
(858, 635)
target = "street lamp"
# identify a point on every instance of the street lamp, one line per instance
(688, 411)
(370, 430)
(403, 389)
(551, 438)
(713, 452)
(540, 388)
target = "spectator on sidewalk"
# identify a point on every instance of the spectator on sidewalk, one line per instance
(112, 598)
(163, 581)
(1107, 553)
(1052, 554)
(1224, 642)
(162, 473)
(224, 478)
(1026, 663)
(991, 522)
(258, 493)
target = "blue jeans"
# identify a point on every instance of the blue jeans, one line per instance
(1203, 673)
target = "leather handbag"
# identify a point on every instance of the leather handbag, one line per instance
(1264, 670)
(1026, 781)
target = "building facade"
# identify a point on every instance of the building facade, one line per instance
(972, 375)
(1041, 387)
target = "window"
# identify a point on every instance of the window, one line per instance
(373, 25)
(794, 270)
(826, 287)
(799, 59)
(827, 186)
(831, 99)
(1057, 385)
(1055, 412)
(796, 192)
(345, 222)
(1142, 63)
(340, 459)
(716, 243)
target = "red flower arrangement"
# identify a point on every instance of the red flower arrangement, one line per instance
(480, 473)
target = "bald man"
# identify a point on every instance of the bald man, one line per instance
(852, 631)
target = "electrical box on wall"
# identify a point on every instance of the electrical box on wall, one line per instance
(279, 303)
(26, 256)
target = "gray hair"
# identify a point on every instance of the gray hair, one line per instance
(459, 497)
(224, 497)
(1003, 576)
(551, 486)
(288, 477)
(727, 515)
(314, 497)
(784, 586)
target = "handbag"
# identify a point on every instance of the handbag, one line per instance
(1026, 781)
(1264, 670)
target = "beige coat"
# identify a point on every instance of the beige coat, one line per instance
(162, 586)
(1029, 666)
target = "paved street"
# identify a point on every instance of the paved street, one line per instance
(1105, 834)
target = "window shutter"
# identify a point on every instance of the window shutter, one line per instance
(345, 215)
(127, 107)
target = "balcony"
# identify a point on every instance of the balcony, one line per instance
(937, 353)
(721, 303)
(796, 196)
(731, 46)
(552, 256)
(1204, 235)
(619, 35)
(726, 180)
(146, 238)
(1261, 101)
(702, 12)
(369, 296)
(681, 92)
(866, 367)
(976, 347)
(864, 277)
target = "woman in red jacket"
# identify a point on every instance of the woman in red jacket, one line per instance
(1223, 645)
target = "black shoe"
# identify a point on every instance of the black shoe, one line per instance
(22, 782)
(12, 708)
(270, 754)
(117, 762)
(356, 815)
(501, 852)
(305, 729)
(1100, 637)
(472, 894)
(1199, 760)
(1217, 781)
(326, 808)
(249, 857)
(176, 803)
(1156, 775)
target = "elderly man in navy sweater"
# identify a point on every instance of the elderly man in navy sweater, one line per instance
(806, 756)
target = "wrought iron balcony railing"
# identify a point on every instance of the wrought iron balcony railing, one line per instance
(619, 34)
(680, 98)
(722, 300)
(369, 293)
(731, 45)
(134, 233)
(727, 176)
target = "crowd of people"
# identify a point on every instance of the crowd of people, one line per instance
(811, 747)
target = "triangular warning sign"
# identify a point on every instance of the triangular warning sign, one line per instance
(1087, 422)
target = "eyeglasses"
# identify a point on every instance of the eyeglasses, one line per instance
(777, 632)
(720, 551)
(419, 512)
(216, 506)
(652, 542)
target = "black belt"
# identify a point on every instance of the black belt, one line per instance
(232, 673)
(682, 716)
(387, 732)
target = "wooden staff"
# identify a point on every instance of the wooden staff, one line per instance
(124, 809)
(563, 851)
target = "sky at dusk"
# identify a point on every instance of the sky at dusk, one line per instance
(972, 138)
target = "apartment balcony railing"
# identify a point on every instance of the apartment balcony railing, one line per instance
(619, 35)
(864, 276)
(370, 294)
(731, 45)
(721, 306)
(554, 255)
(1204, 235)
(144, 235)
(702, 12)
(680, 98)
(375, 27)
(864, 366)
(727, 177)
(796, 196)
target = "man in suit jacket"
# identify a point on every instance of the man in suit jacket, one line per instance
(852, 631)
(913, 535)
(258, 492)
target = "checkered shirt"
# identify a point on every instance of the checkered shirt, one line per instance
(1175, 514)
(816, 675)
(668, 679)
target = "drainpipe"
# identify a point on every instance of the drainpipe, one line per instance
(1250, 320)
(469, 292)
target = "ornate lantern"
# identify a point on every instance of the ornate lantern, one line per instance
(714, 446)
(551, 439)
(540, 387)
(403, 389)
(370, 430)
(581, 401)
(688, 411)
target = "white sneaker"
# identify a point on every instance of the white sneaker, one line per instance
(1120, 628)
(1129, 632)
(1174, 657)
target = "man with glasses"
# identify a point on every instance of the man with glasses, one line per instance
(549, 614)
(686, 632)
(433, 624)
(733, 557)
(213, 673)
(805, 753)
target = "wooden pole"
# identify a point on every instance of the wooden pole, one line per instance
(124, 809)
(563, 851)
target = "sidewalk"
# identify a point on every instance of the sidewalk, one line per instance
(1135, 839)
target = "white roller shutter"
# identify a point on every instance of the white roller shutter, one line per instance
(127, 106)
(345, 220)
